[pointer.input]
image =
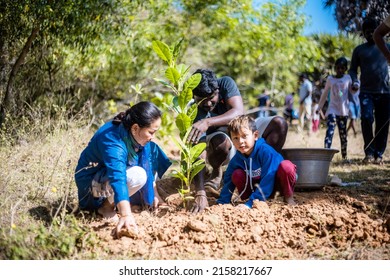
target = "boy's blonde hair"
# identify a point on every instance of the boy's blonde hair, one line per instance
(239, 122)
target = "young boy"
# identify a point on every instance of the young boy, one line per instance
(256, 170)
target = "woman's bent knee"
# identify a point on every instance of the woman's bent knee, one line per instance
(136, 177)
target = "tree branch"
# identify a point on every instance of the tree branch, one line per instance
(9, 98)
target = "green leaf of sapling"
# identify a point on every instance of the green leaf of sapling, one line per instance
(163, 51)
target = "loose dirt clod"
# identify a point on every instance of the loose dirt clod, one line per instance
(128, 233)
(197, 226)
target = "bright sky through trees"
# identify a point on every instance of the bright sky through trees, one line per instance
(322, 20)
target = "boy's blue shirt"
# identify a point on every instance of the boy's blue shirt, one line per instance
(264, 161)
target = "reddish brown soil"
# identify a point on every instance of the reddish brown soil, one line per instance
(329, 223)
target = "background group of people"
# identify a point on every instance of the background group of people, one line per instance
(120, 165)
(361, 90)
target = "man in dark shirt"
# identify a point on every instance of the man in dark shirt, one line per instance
(219, 101)
(374, 94)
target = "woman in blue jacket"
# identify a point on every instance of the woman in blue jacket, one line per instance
(256, 170)
(120, 164)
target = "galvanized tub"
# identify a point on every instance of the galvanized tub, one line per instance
(312, 165)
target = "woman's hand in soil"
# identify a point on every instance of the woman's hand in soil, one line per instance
(127, 223)
(200, 203)
(158, 201)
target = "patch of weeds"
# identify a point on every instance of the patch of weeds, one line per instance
(66, 238)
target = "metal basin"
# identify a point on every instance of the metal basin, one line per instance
(312, 165)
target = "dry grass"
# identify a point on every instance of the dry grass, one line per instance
(37, 189)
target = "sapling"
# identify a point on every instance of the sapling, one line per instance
(181, 84)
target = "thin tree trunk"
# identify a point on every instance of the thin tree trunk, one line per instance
(273, 81)
(9, 98)
(3, 64)
(3, 55)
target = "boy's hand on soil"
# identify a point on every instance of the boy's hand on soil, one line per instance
(242, 207)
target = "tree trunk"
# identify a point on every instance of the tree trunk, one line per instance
(273, 81)
(8, 105)
(3, 64)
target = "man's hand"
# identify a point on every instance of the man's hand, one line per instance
(200, 203)
(197, 130)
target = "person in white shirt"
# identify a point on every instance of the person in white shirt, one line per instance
(305, 100)
(339, 86)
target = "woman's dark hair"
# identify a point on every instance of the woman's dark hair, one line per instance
(208, 84)
(143, 113)
(342, 61)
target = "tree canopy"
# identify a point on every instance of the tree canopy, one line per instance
(350, 13)
(66, 54)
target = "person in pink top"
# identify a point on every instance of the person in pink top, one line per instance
(339, 86)
(315, 119)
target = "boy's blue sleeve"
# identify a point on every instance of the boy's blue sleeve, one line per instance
(228, 186)
(269, 166)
